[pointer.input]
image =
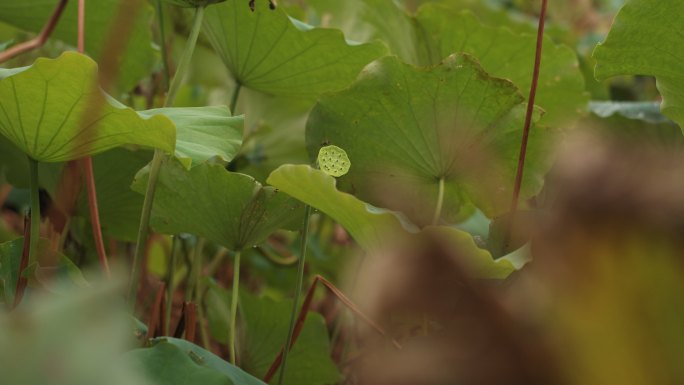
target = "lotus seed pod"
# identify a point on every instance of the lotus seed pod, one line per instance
(333, 160)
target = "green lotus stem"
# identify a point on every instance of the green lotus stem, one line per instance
(440, 203)
(195, 272)
(297, 295)
(198, 261)
(173, 261)
(275, 258)
(216, 261)
(234, 98)
(158, 159)
(184, 62)
(204, 336)
(162, 37)
(35, 210)
(234, 306)
(143, 229)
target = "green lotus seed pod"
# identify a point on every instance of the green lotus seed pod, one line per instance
(333, 160)
(193, 3)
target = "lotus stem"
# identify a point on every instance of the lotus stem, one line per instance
(35, 211)
(298, 293)
(234, 307)
(158, 158)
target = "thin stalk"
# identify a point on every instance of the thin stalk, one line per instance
(158, 158)
(338, 327)
(155, 314)
(530, 110)
(162, 38)
(216, 261)
(35, 211)
(198, 297)
(170, 288)
(234, 306)
(184, 62)
(276, 258)
(39, 40)
(235, 97)
(195, 272)
(306, 305)
(143, 230)
(81, 26)
(297, 295)
(88, 169)
(204, 335)
(440, 203)
(95, 215)
(190, 321)
(22, 281)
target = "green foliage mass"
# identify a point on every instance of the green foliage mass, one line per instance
(325, 137)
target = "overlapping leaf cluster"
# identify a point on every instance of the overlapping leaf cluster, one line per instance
(428, 107)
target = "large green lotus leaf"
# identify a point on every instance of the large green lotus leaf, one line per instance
(478, 262)
(372, 228)
(203, 133)
(168, 364)
(217, 301)
(267, 51)
(210, 360)
(309, 362)
(119, 206)
(135, 62)
(406, 128)
(506, 54)
(237, 375)
(505, 47)
(43, 107)
(377, 229)
(645, 40)
(216, 134)
(366, 20)
(493, 13)
(229, 208)
(263, 334)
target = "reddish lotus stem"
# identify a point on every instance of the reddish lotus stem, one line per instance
(4, 193)
(88, 167)
(156, 313)
(39, 40)
(299, 325)
(180, 326)
(528, 115)
(81, 26)
(95, 215)
(21, 281)
(190, 321)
